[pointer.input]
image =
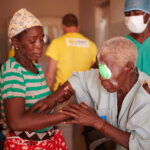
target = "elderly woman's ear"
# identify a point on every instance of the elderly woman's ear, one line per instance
(130, 66)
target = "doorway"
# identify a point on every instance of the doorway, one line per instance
(102, 22)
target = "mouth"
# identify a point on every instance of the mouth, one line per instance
(107, 87)
(38, 55)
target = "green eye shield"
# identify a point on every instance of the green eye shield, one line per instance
(104, 71)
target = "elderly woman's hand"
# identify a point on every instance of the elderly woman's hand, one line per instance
(81, 114)
(63, 93)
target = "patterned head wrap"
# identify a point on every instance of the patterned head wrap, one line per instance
(21, 21)
(143, 5)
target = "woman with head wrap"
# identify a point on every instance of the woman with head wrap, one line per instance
(137, 20)
(22, 84)
(118, 92)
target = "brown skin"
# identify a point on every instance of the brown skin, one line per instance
(121, 81)
(18, 119)
(29, 47)
(144, 35)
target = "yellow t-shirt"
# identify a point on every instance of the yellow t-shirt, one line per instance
(73, 52)
(11, 53)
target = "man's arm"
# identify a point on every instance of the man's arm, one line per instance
(51, 73)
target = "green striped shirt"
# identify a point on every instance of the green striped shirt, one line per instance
(16, 81)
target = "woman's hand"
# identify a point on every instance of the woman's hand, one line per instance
(81, 114)
(42, 106)
(62, 94)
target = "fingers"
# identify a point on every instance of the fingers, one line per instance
(68, 88)
(47, 111)
(70, 109)
(43, 108)
(39, 107)
(33, 108)
(64, 91)
(84, 105)
(76, 108)
(68, 113)
(67, 92)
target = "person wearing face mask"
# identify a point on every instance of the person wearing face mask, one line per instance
(137, 20)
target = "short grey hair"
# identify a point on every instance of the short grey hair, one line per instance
(122, 49)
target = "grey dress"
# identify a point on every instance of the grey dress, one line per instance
(134, 115)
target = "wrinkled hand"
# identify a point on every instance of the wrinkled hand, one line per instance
(64, 92)
(81, 114)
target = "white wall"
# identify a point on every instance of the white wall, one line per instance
(84, 9)
(87, 18)
(117, 26)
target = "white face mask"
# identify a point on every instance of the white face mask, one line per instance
(136, 24)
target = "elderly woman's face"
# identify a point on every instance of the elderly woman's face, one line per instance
(118, 75)
(31, 43)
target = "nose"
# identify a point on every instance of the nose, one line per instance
(39, 44)
(101, 78)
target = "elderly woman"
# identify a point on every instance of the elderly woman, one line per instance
(118, 92)
(22, 84)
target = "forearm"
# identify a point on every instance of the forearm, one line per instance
(50, 81)
(113, 133)
(32, 121)
(51, 72)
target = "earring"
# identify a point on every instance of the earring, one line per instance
(16, 48)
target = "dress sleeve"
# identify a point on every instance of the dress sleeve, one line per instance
(12, 84)
(139, 122)
(82, 83)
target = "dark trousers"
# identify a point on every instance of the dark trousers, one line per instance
(97, 141)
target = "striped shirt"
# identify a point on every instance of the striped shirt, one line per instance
(16, 81)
